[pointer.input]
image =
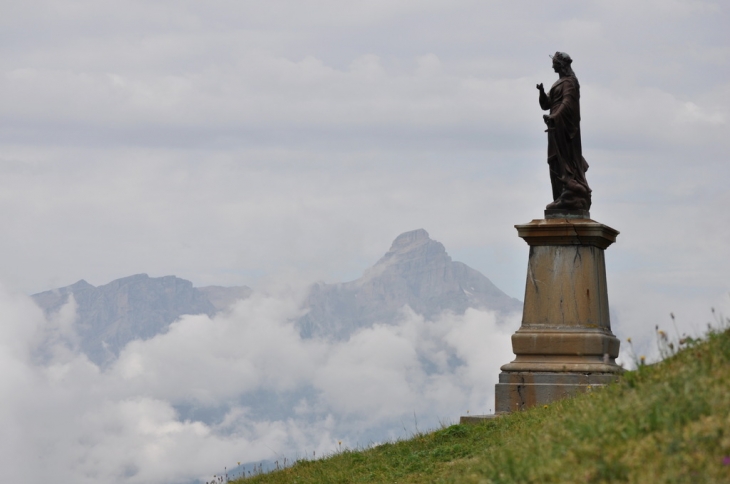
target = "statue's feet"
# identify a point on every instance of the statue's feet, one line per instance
(570, 201)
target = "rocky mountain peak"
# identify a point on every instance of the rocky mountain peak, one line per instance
(417, 272)
(408, 239)
(408, 248)
(80, 285)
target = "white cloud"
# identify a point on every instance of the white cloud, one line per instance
(66, 420)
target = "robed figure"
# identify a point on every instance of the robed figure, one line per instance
(565, 154)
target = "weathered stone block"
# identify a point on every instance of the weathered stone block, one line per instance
(520, 390)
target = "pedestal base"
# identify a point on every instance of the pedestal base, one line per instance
(565, 343)
(520, 390)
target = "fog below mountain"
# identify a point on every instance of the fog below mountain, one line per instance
(268, 376)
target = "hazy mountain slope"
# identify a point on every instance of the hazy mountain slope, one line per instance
(134, 307)
(416, 271)
(222, 297)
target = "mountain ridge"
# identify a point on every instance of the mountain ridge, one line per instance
(416, 271)
(132, 307)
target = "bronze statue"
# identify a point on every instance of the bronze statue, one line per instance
(565, 154)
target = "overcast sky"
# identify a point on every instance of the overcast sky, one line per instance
(279, 142)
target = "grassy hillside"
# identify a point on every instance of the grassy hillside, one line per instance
(668, 422)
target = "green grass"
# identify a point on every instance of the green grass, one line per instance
(664, 423)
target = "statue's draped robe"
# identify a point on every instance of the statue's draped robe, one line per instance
(565, 154)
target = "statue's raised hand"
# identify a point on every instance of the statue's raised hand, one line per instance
(540, 88)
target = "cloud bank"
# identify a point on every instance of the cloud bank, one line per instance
(243, 386)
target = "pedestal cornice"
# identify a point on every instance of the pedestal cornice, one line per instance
(561, 231)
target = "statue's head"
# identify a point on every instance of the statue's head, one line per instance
(561, 63)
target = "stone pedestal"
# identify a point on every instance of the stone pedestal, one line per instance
(565, 342)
